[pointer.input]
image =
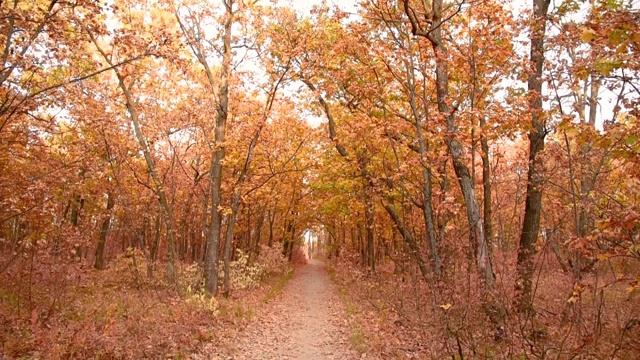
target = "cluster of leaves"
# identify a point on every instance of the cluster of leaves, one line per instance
(204, 300)
(243, 274)
(272, 261)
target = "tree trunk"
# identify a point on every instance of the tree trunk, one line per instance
(231, 220)
(184, 229)
(369, 223)
(156, 241)
(476, 233)
(533, 203)
(254, 247)
(164, 203)
(205, 220)
(486, 182)
(427, 206)
(414, 248)
(144, 147)
(222, 108)
(99, 263)
(272, 219)
(76, 206)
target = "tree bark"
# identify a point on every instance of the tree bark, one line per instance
(476, 233)
(272, 219)
(486, 184)
(231, 219)
(408, 239)
(533, 202)
(222, 108)
(368, 214)
(427, 206)
(99, 263)
(144, 146)
(254, 246)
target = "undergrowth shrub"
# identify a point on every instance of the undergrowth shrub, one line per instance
(132, 268)
(243, 275)
(192, 277)
(272, 259)
(202, 300)
(298, 257)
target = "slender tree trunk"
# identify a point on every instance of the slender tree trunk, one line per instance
(456, 149)
(144, 147)
(289, 236)
(164, 203)
(427, 206)
(222, 108)
(99, 263)
(369, 222)
(205, 220)
(292, 243)
(588, 179)
(156, 242)
(231, 220)
(272, 219)
(76, 206)
(414, 247)
(486, 182)
(184, 229)
(257, 236)
(533, 202)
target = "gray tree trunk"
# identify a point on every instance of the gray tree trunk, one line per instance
(533, 202)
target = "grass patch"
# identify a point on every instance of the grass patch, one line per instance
(234, 311)
(332, 273)
(277, 284)
(357, 338)
(348, 305)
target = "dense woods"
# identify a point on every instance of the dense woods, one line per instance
(470, 168)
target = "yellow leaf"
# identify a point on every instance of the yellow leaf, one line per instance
(622, 47)
(582, 74)
(446, 307)
(587, 35)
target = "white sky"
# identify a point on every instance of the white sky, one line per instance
(305, 5)
(606, 98)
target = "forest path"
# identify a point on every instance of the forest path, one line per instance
(305, 321)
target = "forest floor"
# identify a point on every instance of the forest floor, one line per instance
(307, 320)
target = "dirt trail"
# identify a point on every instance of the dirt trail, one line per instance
(306, 321)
